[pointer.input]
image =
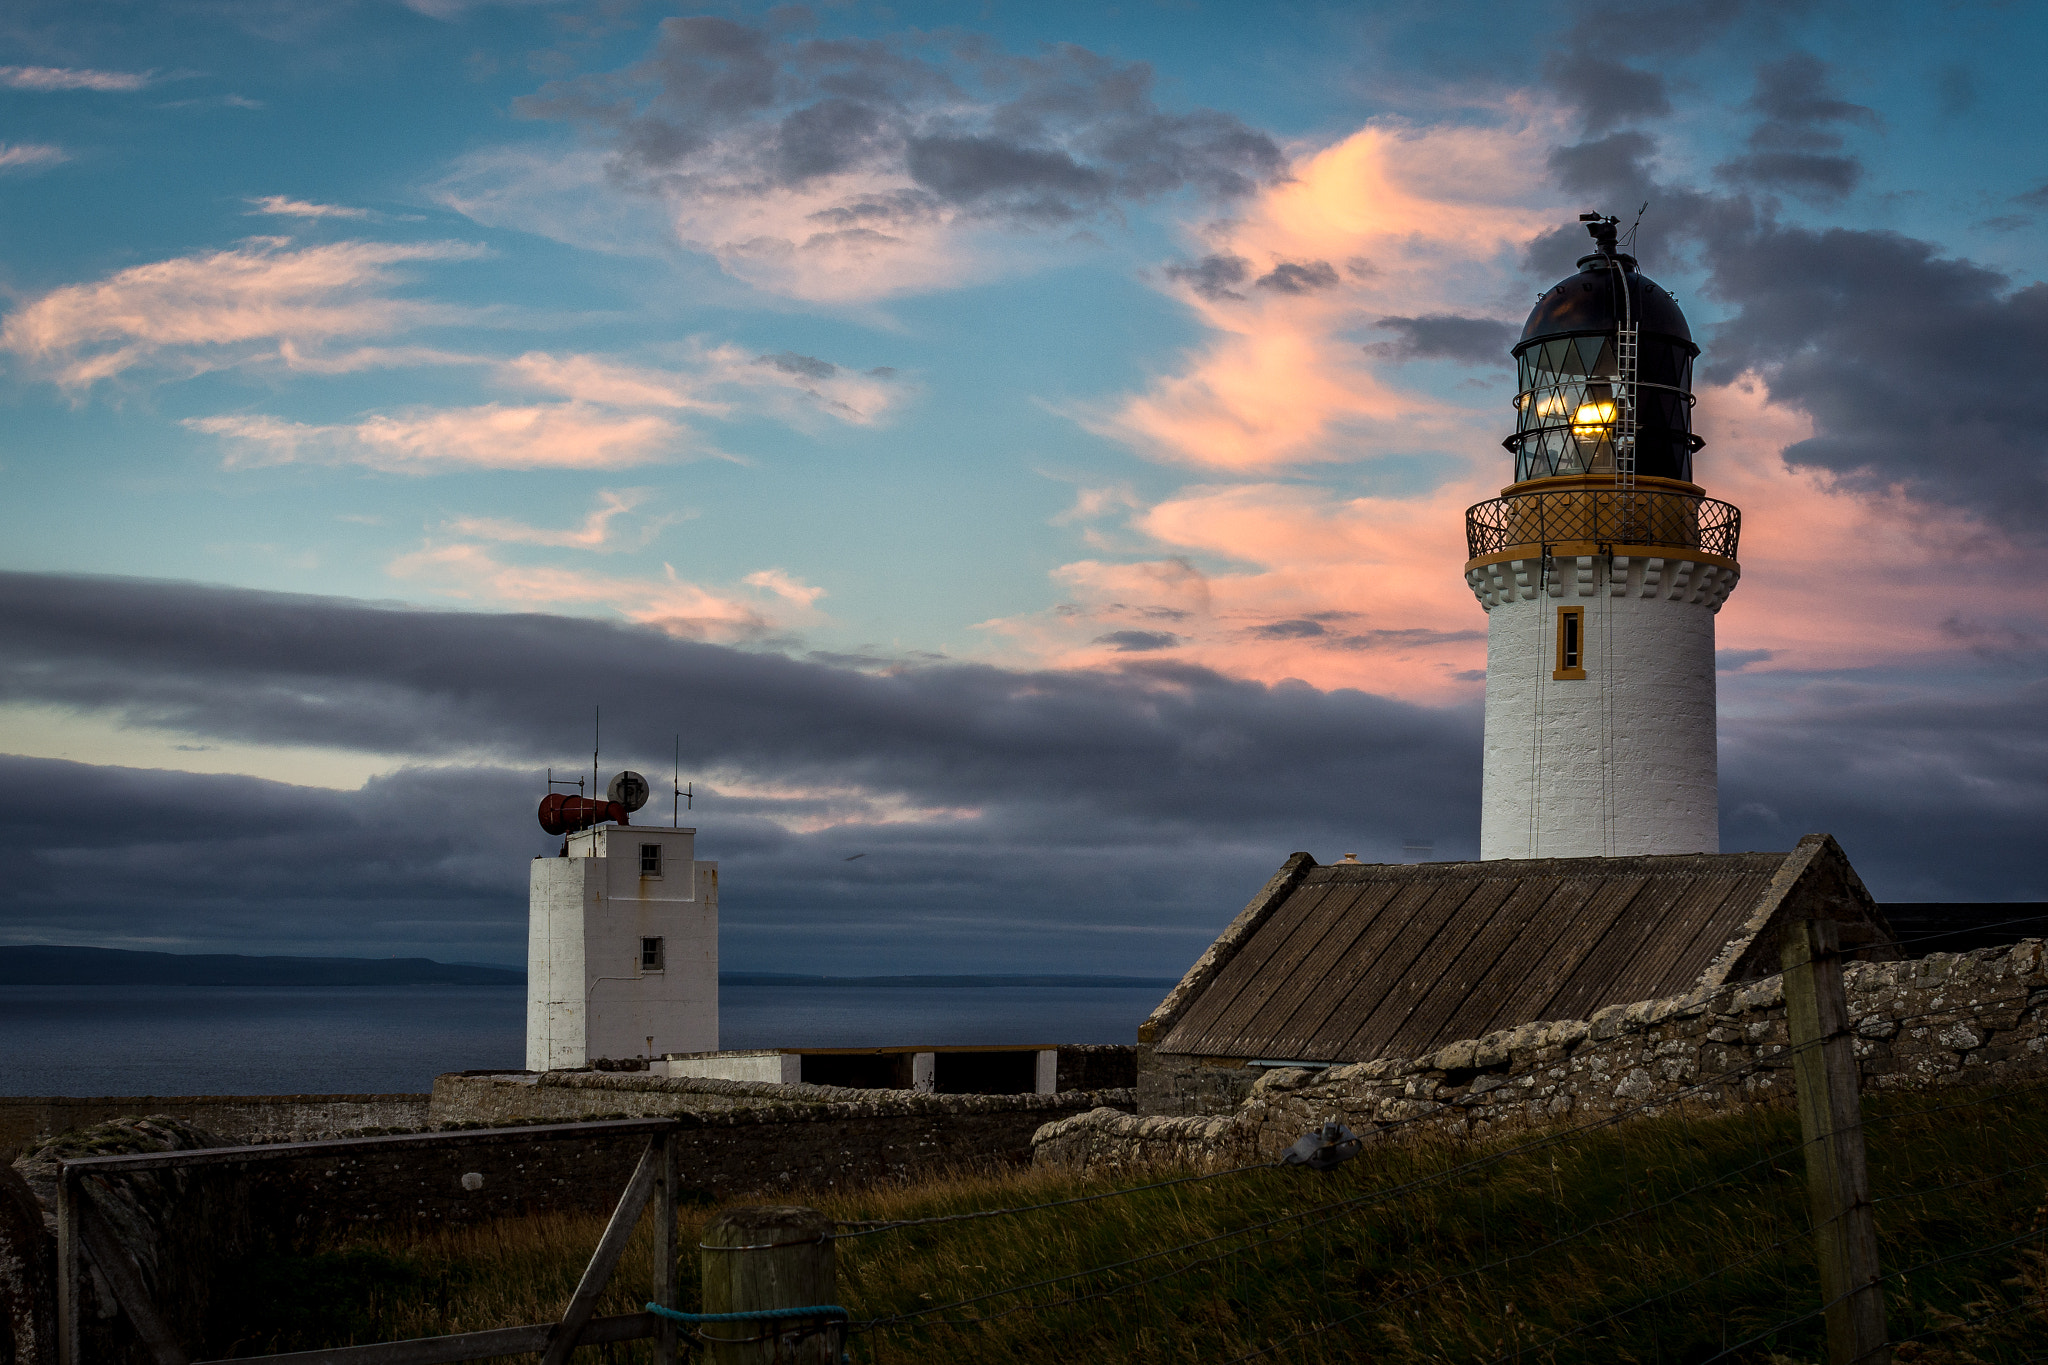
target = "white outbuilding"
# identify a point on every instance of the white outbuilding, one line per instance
(622, 948)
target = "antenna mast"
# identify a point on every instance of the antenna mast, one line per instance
(596, 734)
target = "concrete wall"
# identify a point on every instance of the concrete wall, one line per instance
(770, 1065)
(588, 994)
(1944, 1020)
(1623, 760)
(26, 1119)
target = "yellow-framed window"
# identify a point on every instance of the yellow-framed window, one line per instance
(1571, 643)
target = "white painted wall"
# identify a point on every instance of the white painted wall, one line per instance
(1623, 760)
(775, 1067)
(587, 995)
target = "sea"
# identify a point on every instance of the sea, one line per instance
(291, 1040)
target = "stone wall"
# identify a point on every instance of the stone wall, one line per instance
(1179, 1086)
(27, 1119)
(1968, 1019)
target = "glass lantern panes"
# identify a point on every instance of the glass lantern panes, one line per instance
(1565, 409)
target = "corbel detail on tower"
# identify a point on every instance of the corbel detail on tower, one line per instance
(1670, 578)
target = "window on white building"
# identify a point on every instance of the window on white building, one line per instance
(650, 955)
(650, 860)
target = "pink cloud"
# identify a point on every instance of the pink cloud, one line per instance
(669, 603)
(599, 532)
(195, 313)
(29, 156)
(1393, 220)
(491, 436)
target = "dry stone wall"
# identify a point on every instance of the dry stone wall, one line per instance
(1948, 1019)
(28, 1119)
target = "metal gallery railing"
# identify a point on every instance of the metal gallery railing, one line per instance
(1602, 516)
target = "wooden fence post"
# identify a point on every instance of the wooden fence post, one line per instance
(70, 1269)
(1831, 1123)
(665, 1245)
(771, 1257)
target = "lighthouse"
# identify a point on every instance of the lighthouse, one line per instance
(1601, 568)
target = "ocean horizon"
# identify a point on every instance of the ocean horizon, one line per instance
(286, 1040)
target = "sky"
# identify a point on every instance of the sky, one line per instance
(1009, 459)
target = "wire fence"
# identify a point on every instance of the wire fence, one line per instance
(1724, 1245)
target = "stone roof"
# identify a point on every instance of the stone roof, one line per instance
(1353, 962)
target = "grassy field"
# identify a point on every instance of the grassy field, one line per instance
(1675, 1239)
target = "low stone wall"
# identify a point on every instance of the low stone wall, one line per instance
(28, 1119)
(1969, 1019)
(1174, 1085)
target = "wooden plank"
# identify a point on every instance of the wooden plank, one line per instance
(1360, 986)
(665, 1288)
(1284, 1026)
(605, 1259)
(287, 1151)
(1423, 1007)
(119, 1270)
(70, 1270)
(487, 1345)
(1249, 977)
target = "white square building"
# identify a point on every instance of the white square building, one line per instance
(621, 948)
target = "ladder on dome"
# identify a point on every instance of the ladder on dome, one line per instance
(1627, 371)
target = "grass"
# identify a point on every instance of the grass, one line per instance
(1671, 1239)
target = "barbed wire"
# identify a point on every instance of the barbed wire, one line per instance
(1337, 1208)
(1875, 1280)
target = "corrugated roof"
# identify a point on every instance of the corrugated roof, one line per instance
(1351, 962)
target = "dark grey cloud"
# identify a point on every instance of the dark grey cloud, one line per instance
(719, 107)
(1138, 641)
(1213, 277)
(1920, 370)
(1018, 814)
(1606, 92)
(2036, 198)
(1298, 277)
(1007, 811)
(1893, 768)
(802, 366)
(1795, 147)
(1446, 336)
(1299, 629)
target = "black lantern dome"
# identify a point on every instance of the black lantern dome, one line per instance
(1566, 365)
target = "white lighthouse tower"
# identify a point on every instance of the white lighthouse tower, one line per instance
(622, 937)
(1601, 568)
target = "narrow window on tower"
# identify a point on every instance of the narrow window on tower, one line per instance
(650, 954)
(1571, 643)
(650, 860)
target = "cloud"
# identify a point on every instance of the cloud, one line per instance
(842, 171)
(1446, 336)
(194, 313)
(1794, 147)
(669, 603)
(71, 78)
(279, 206)
(1428, 222)
(30, 156)
(1138, 805)
(1917, 368)
(489, 436)
(1138, 641)
(597, 532)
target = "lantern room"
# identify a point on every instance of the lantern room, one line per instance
(1567, 367)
